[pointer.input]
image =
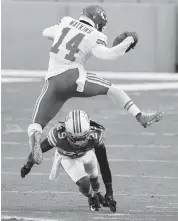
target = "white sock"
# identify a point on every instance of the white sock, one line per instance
(119, 96)
(34, 127)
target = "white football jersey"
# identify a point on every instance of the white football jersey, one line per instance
(72, 44)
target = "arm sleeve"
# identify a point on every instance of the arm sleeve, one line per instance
(101, 156)
(105, 53)
(45, 145)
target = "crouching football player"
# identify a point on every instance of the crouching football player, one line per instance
(75, 140)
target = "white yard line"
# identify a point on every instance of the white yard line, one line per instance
(127, 176)
(107, 145)
(78, 193)
(125, 87)
(161, 207)
(148, 86)
(138, 146)
(173, 203)
(27, 218)
(110, 160)
(123, 218)
(105, 74)
(20, 80)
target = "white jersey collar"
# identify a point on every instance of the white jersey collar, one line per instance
(87, 20)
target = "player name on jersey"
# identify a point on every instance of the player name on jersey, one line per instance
(80, 26)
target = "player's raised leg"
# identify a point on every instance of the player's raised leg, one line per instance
(96, 85)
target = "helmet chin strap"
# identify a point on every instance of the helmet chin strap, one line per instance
(83, 18)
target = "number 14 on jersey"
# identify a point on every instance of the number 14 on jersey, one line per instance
(72, 45)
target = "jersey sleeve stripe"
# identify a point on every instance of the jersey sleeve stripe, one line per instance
(54, 135)
(50, 140)
(51, 137)
(100, 139)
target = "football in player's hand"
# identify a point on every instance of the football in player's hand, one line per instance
(123, 36)
(119, 39)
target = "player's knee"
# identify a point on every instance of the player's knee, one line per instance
(34, 127)
(94, 174)
(84, 185)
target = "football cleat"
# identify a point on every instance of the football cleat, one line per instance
(110, 202)
(34, 141)
(147, 119)
(25, 170)
(94, 203)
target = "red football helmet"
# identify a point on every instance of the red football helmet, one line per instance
(96, 15)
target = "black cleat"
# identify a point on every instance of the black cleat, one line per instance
(25, 170)
(94, 203)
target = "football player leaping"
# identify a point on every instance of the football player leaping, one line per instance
(74, 41)
(75, 140)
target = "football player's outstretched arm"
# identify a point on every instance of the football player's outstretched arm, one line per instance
(101, 156)
(105, 53)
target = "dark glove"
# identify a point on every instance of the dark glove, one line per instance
(110, 202)
(123, 36)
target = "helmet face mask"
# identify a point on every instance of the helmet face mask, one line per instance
(77, 141)
(97, 15)
(77, 126)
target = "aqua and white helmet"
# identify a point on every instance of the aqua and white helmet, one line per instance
(77, 126)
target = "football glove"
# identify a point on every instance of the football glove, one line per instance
(109, 200)
(24, 171)
(123, 36)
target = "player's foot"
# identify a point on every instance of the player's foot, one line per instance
(34, 141)
(147, 119)
(25, 170)
(94, 204)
